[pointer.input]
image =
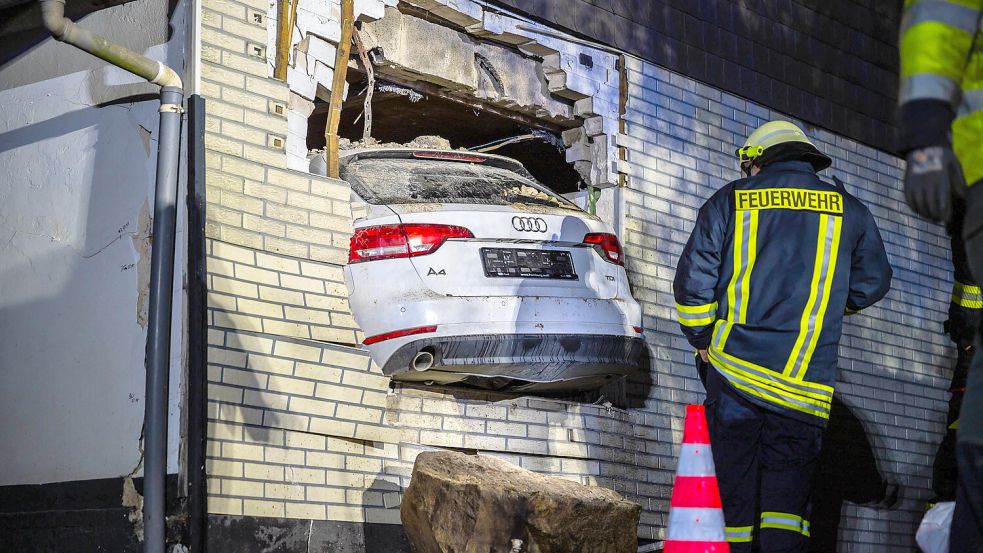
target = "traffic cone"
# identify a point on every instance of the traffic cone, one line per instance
(696, 518)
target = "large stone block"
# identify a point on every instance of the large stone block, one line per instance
(459, 503)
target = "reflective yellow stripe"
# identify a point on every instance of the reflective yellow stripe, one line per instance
(738, 534)
(773, 398)
(967, 132)
(805, 400)
(696, 315)
(696, 322)
(720, 334)
(805, 388)
(784, 521)
(954, 425)
(967, 295)
(819, 399)
(697, 309)
(752, 253)
(738, 265)
(811, 323)
(935, 48)
(828, 275)
(763, 383)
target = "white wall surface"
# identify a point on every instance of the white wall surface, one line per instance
(77, 194)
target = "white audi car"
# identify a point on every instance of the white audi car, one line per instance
(465, 269)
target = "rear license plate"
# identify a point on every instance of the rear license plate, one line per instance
(516, 263)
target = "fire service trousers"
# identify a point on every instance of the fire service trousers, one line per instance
(967, 520)
(764, 462)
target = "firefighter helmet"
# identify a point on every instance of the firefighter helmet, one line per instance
(774, 133)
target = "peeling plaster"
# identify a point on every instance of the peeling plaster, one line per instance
(145, 135)
(133, 500)
(141, 243)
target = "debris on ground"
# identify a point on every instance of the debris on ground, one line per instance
(426, 142)
(457, 502)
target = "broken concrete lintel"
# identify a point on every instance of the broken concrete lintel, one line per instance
(460, 12)
(416, 49)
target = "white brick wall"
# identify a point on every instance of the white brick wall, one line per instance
(681, 136)
(302, 425)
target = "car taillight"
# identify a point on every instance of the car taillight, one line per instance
(395, 241)
(607, 245)
(399, 334)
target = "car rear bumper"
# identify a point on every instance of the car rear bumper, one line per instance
(528, 358)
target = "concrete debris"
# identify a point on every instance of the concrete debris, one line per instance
(426, 142)
(457, 502)
(142, 239)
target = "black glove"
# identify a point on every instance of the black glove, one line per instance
(933, 175)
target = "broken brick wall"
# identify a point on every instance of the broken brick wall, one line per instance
(307, 436)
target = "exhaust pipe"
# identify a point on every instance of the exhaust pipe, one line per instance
(423, 360)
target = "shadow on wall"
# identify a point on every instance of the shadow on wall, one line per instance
(847, 471)
(74, 270)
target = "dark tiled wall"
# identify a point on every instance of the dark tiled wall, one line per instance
(832, 63)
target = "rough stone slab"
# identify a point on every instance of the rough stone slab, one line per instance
(459, 503)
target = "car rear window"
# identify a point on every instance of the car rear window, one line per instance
(413, 181)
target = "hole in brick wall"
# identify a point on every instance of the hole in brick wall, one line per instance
(399, 116)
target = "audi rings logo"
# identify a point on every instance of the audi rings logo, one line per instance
(529, 224)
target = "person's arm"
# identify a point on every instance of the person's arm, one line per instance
(697, 273)
(870, 271)
(934, 45)
(966, 305)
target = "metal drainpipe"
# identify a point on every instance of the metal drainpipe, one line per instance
(162, 252)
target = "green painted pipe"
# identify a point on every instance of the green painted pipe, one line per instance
(53, 14)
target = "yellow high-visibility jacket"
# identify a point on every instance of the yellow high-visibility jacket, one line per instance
(941, 48)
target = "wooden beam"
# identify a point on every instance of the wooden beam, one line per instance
(286, 14)
(338, 86)
(430, 89)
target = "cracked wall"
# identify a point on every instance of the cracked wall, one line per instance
(74, 253)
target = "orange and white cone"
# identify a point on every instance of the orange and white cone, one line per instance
(696, 518)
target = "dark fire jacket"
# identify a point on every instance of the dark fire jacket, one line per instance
(774, 263)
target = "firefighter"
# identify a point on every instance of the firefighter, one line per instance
(775, 261)
(941, 97)
(965, 307)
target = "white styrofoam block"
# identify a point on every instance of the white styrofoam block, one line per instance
(296, 123)
(301, 83)
(323, 75)
(321, 50)
(369, 10)
(318, 24)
